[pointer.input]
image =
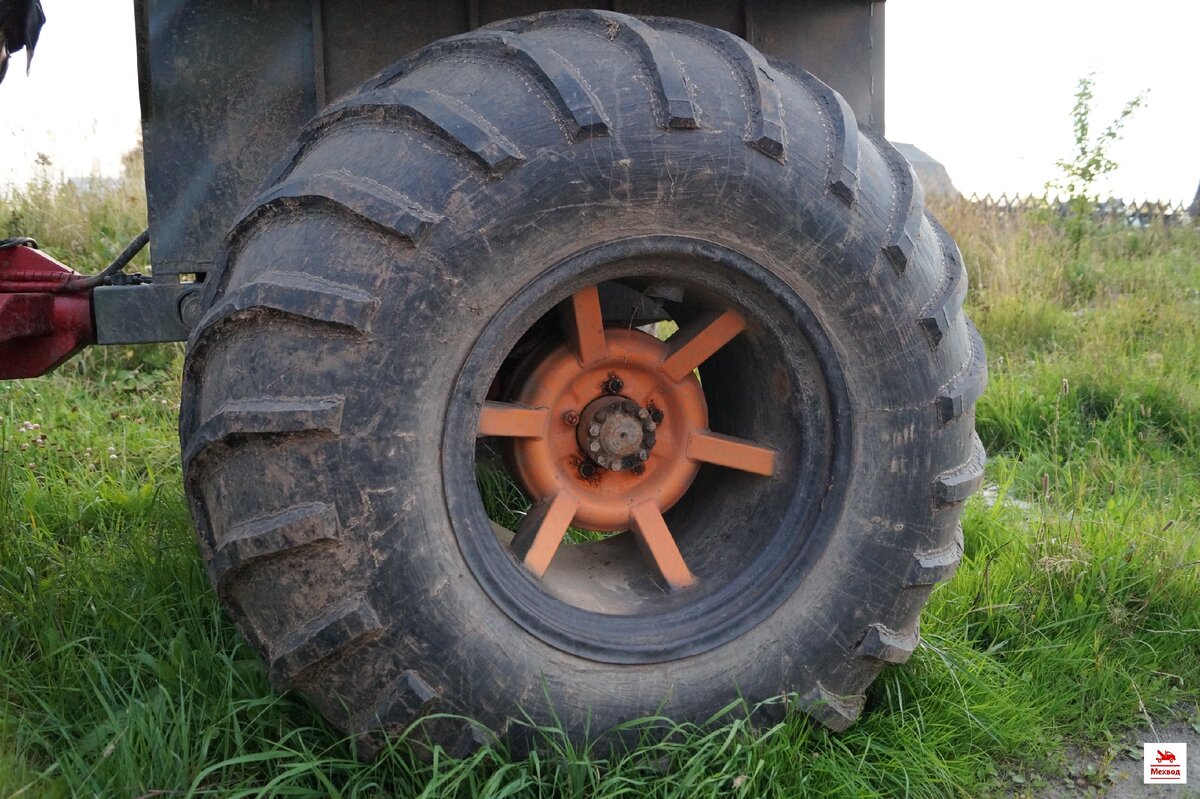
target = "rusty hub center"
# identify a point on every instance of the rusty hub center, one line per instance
(616, 433)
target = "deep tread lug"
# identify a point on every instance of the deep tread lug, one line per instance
(444, 115)
(943, 312)
(961, 482)
(960, 394)
(832, 710)
(676, 107)
(404, 702)
(353, 195)
(910, 202)
(936, 565)
(266, 416)
(766, 108)
(409, 698)
(347, 624)
(299, 295)
(274, 534)
(579, 106)
(889, 646)
(843, 170)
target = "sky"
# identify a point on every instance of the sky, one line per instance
(986, 88)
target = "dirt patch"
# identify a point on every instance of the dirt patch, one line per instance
(1115, 772)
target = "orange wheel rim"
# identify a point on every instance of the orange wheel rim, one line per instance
(610, 429)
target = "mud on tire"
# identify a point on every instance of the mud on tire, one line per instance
(429, 228)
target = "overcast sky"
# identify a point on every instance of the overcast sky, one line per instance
(986, 88)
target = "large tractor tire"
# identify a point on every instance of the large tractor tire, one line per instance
(465, 273)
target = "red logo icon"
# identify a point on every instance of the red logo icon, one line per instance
(1165, 757)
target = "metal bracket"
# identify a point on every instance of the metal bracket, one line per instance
(144, 314)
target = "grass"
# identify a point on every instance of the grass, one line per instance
(1076, 612)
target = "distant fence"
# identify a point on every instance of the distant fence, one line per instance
(1112, 211)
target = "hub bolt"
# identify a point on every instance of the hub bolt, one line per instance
(571, 418)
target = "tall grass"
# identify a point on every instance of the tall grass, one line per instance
(84, 223)
(1076, 612)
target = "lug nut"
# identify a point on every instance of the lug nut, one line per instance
(643, 414)
(594, 430)
(650, 427)
(642, 454)
(629, 406)
(594, 446)
(571, 418)
(615, 466)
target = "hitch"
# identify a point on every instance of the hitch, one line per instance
(48, 311)
(42, 324)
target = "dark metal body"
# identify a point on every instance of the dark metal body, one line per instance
(226, 84)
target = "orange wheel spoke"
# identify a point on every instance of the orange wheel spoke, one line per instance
(658, 544)
(695, 344)
(513, 421)
(542, 531)
(735, 453)
(587, 326)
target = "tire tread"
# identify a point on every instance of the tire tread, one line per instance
(581, 110)
(267, 536)
(266, 416)
(890, 646)
(945, 309)
(766, 131)
(960, 394)
(356, 196)
(958, 484)
(347, 624)
(446, 117)
(905, 230)
(933, 566)
(842, 180)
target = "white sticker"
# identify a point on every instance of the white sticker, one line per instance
(1164, 763)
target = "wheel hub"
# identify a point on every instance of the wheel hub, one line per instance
(616, 433)
(613, 431)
